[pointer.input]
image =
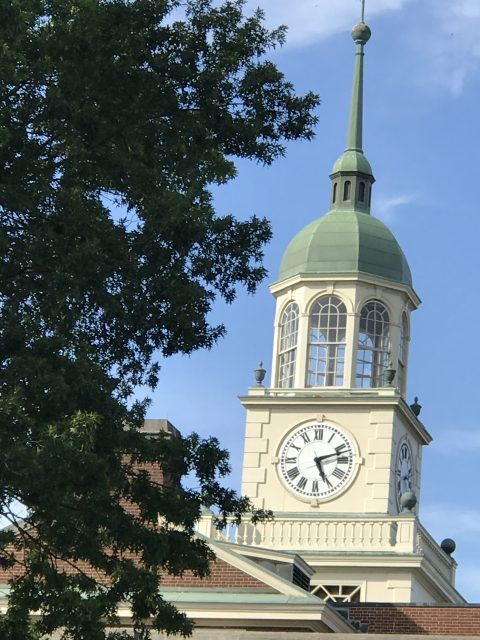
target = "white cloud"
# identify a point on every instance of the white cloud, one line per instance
(449, 51)
(311, 20)
(465, 441)
(463, 525)
(451, 520)
(442, 34)
(468, 581)
(385, 207)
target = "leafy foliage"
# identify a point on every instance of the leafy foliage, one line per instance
(115, 120)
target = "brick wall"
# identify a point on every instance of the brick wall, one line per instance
(461, 620)
(222, 576)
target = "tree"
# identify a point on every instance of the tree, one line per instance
(115, 120)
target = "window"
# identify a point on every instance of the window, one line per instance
(402, 352)
(347, 187)
(337, 592)
(373, 345)
(326, 343)
(334, 198)
(287, 353)
(361, 192)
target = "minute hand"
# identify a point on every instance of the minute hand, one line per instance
(330, 455)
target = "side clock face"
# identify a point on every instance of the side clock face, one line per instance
(404, 470)
(317, 460)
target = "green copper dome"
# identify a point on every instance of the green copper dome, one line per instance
(352, 161)
(346, 242)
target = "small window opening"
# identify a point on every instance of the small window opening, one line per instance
(337, 592)
(287, 352)
(347, 187)
(334, 198)
(370, 197)
(327, 342)
(361, 192)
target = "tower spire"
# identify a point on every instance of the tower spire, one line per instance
(361, 34)
(352, 174)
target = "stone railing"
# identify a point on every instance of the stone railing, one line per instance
(432, 552)
(402, 534)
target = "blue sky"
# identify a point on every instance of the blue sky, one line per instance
(422, 138)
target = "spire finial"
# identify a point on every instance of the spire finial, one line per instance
(361, 34)
(352, 175)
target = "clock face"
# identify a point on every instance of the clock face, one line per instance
(317, 460)
(404, 470)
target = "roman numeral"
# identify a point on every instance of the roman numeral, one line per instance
(343, 460)
(331, 437)
(340, 448)
(293, 460)
(338, 473)
(315, 486)
(305, 438)
(302, 483)
(293, 473)
(318, 434)
(292, 446)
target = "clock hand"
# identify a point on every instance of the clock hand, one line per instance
(318, 462)
(330, 455)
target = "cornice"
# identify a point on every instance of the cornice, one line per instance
(278, 287)
(261, 397)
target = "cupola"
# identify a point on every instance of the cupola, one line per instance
(348, 240)
(344, 294)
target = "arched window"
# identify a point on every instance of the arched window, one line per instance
(402, 352)
(334, 197)
(347, 187)
(361, 192)
(287, 352)
(326, 343)
(373, 345)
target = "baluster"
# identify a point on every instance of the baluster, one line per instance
(290, 533)
(298, 534)
(361, 534)
(352, 527)
(240, 534)
(334, 534)
(272, 527)
(370, 534)
(324, 541)
(262, 530)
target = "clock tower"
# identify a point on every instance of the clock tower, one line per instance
(332, 447)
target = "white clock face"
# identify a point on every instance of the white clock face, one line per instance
(317, 460)
(404, 470)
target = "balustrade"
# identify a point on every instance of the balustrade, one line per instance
(325, 532)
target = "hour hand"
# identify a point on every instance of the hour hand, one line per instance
(318, 462)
